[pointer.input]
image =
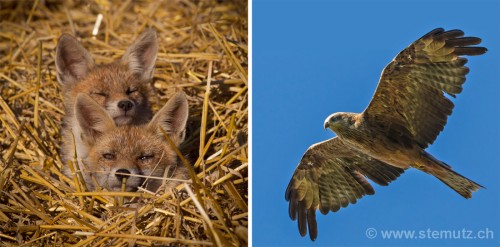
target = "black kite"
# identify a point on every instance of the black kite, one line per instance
(407, 112)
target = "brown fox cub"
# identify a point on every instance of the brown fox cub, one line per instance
(121, 88)
(131, 151)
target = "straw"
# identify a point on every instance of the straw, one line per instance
(202, 51)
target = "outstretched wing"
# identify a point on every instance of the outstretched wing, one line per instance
(329, 176)
(410, 94)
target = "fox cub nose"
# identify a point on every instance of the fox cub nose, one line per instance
(125, 105)
(122, 173)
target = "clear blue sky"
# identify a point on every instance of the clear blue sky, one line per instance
(311, 59)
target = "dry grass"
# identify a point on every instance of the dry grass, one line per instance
(203, 52)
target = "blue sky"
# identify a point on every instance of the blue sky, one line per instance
(314, 58)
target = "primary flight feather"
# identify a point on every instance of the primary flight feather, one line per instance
(406, 114)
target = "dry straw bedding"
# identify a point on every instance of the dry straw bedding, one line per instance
(202, 51)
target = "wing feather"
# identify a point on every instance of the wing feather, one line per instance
(302, 218)
(329, 176)
(411, 91)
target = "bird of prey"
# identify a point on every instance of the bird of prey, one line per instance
(407, 112)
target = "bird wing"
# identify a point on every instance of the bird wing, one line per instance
(410, 98)
(331, 175)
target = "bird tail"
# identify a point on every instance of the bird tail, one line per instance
(443, 172)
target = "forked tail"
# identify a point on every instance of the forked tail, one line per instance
(443, 172)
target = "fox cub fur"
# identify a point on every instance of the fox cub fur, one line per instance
(121, 89)
(135, 152)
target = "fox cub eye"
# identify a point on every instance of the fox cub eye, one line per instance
(131, 90)
(145, 157)
(103, 94)
(108, 156)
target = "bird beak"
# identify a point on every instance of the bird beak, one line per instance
(327, 124)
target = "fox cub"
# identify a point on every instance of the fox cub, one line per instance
(131, 151)
(120, 88)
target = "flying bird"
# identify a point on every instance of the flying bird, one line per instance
(406, 114)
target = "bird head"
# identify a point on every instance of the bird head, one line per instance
(336, 121)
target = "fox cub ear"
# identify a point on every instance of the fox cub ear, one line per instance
(92, 119)
(172, 118)
(140, 57)
(73, 62)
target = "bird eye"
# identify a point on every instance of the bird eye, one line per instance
(108, 156)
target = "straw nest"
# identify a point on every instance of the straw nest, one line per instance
(203, 52)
